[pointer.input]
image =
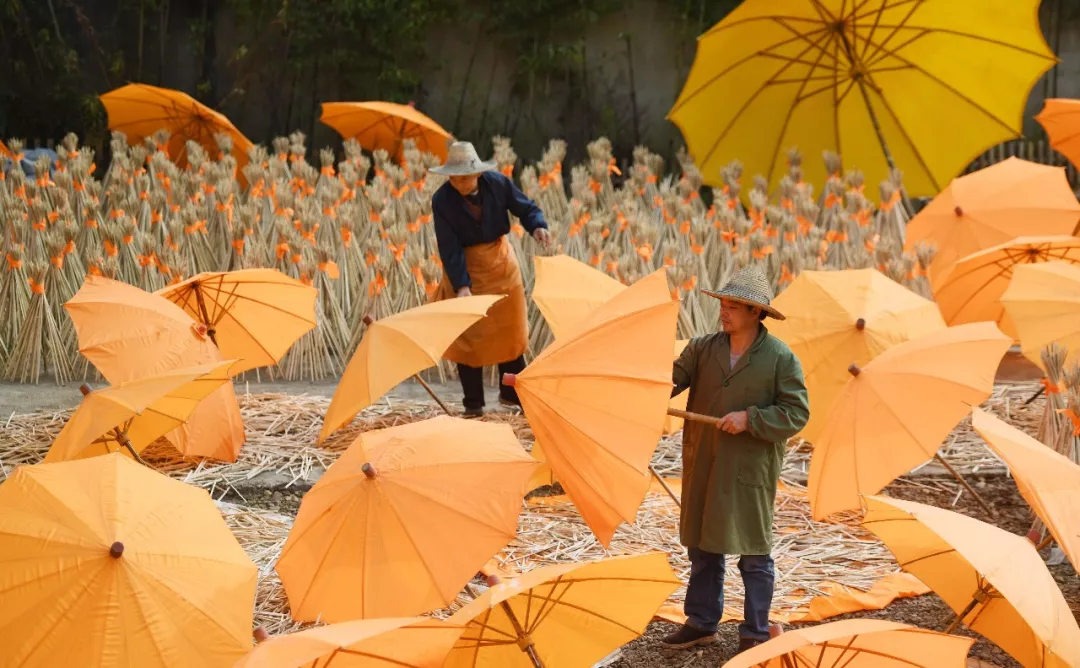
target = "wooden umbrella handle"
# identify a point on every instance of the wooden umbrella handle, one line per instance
(695, 417)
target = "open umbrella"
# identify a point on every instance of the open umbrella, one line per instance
(385, 125)
(139, 111)
(993, 580)
(1048, 481)
(253, 315)
(104, 562)
(567, 291)
(128, 334)
(993, 206)
(414, 642)
(838, 318)
(857, 643)
(565, 616)
(1061, 120)
(971, 290)
(895, 411)
(1043, 303)
(596, 401)
(397, 347)
(404, 519)
(134, 414)
(886, 84)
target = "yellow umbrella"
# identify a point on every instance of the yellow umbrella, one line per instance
(993, 580)
(107, 563)
(253, 315)
(385, 125)
(927, 86)
(397, 347)
(971, 291)
(134, 414)
(563, 616)
(1048, 481)
(1043, 303)
(894, 412)
(838, 318)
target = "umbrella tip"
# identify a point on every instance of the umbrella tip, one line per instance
(260, 634)
(854, 370)
(368, 470)
(368, 320)
(116, 549)
(860, 324)
(493, 580)
(509, 379)
(85, 389)
(958, 211)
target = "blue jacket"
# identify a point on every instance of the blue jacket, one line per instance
(455, 229)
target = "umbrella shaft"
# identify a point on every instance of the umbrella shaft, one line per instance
(694, 417)
(529, 649)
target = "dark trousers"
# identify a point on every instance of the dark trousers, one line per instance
(472, 383)
(704, 604)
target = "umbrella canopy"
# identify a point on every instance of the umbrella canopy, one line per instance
(857, 643)
(839, 318)
(385, 125)
(253, 315)
(138, 412)
(104, 562)
(1061, 120)
(1043, 303)
(128, 334)
(1048, 481)
(854, 77)
(971, 291)
(414, 642)
(993, 206)
(397, 347)
(139, 111)
(568, 615)
(894, 412)
(994, 580)
(567, 291)
(597, 398)
(404, 519)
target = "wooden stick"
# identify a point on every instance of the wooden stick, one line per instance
(976, 599)
(530, 648)
(118, 433)
(442, 405)
(964, 483)
(695, 417)
(663, 483)
(206, 316)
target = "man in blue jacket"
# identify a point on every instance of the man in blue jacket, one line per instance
(472, 218)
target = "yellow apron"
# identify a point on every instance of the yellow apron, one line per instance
(503, 335)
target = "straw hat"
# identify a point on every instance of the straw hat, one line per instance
(462, 160)
(749, 286)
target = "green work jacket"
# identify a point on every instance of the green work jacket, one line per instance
(729, 481)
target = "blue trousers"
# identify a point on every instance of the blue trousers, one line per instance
(705, 593)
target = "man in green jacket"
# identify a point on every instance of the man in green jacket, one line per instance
(754, 383)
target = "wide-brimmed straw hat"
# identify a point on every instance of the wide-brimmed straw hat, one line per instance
(749, 286)
(462, 160)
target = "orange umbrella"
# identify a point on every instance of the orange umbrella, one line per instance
(992, 206)
(857, 643)
(128, 334)
(993, 580)
(971, 291)
(405, 642)
(1061, 120)
(563, 616)
(104, 562)
(253, 315)
(597, 399)
(139, 111)
(1043, 303)
(1048, 481)
(134, 414)
(894, 412)
(839, 318)
(404, 519)
(384, 125)
(397, 347)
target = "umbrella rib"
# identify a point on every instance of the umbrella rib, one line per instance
(579, 608)
(980, 38)
(907, 138)
(876, 13)
(272, 307)
(879, 46)
(545, 609)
